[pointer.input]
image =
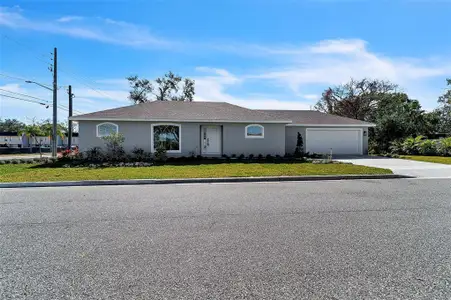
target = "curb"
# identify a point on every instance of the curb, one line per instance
(198, 180)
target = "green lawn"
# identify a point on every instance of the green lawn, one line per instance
(24, 173)
(433, 159)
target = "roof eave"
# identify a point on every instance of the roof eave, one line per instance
(333, 125)
(76, 118)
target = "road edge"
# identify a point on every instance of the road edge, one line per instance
(198, 180)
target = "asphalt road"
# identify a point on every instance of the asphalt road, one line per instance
(366, 239)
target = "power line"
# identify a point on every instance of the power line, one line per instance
(13, 77)
(20, 94)
(33, 101)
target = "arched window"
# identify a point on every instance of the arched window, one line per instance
(254, 131)
(106, 129)
(167, 136)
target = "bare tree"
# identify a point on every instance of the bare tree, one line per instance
(170, 87)
(355, 99)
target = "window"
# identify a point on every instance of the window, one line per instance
(254, 131)
(106, 129)
(166, 135)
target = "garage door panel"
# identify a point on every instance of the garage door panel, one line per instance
(341, 141)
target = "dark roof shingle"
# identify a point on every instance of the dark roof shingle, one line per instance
(183, 111)
(313, 117)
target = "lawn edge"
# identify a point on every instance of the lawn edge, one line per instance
(199, 180)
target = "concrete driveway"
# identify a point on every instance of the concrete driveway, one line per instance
(403, 166)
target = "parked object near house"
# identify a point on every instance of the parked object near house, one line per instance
(220, 128)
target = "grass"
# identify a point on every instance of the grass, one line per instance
(30, 173)
(432, 159)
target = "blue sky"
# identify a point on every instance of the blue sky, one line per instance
(258, 54)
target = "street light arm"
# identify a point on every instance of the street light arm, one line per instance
(41, 85)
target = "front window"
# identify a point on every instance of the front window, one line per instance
(255, 131)
(106, 129)
(167, 136)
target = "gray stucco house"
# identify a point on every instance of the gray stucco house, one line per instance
(217, 128)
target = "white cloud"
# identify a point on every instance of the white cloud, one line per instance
(66, 19)
(99, 29)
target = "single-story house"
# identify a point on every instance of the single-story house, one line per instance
(220, 128)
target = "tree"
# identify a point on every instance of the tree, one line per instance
(11, 125)
(170, 87)
(444, 111)
(46, 128)
(356, 99)
(299, 151)
(396, 117)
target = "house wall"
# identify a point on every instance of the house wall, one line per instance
(292, 131)
(235, 142)
(138, 134)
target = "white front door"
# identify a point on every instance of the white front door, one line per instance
(211, 139)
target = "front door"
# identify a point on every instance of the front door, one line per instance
(211, 139)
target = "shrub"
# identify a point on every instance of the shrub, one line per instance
(29, 161)
(260, 156)
(396, 147)
(233, 155)
(23, 161)
(37, 160)
(411, 145)
(140, 155)
(114, 146)
(2, 162)
(251, 156)
(269, 157)
(15, 161)
(428, 147)
(7, 161)
(299, 151)
(160, 154)
(241, 157)
(199, 157)
(444, 147)
(94, 154)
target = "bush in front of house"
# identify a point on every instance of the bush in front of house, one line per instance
(420, 146)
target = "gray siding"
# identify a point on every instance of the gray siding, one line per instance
(234, 141)
(138, 134)
(292, 131)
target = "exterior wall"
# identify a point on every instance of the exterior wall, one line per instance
(292, 131)
(234, 141)
(138, 134)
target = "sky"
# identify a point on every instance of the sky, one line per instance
(268, 54)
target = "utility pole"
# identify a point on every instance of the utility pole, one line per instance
(69, 134)
(55, 103)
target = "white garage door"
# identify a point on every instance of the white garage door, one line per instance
(341, 141)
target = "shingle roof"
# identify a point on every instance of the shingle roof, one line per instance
(183, 111)
(312, 117)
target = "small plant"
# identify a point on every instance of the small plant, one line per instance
(160, 153)
(241, 157)
(29, 161)
(427, 147)
(2, 162)
(15, 161)
(269, 157)
(251, 156)
(260, 156)
(7, 161)
(299, 151)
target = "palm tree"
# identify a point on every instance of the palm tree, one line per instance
(31, 131)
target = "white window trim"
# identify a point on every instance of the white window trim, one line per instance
(105, 123)
(152, 148)
(254, 137)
